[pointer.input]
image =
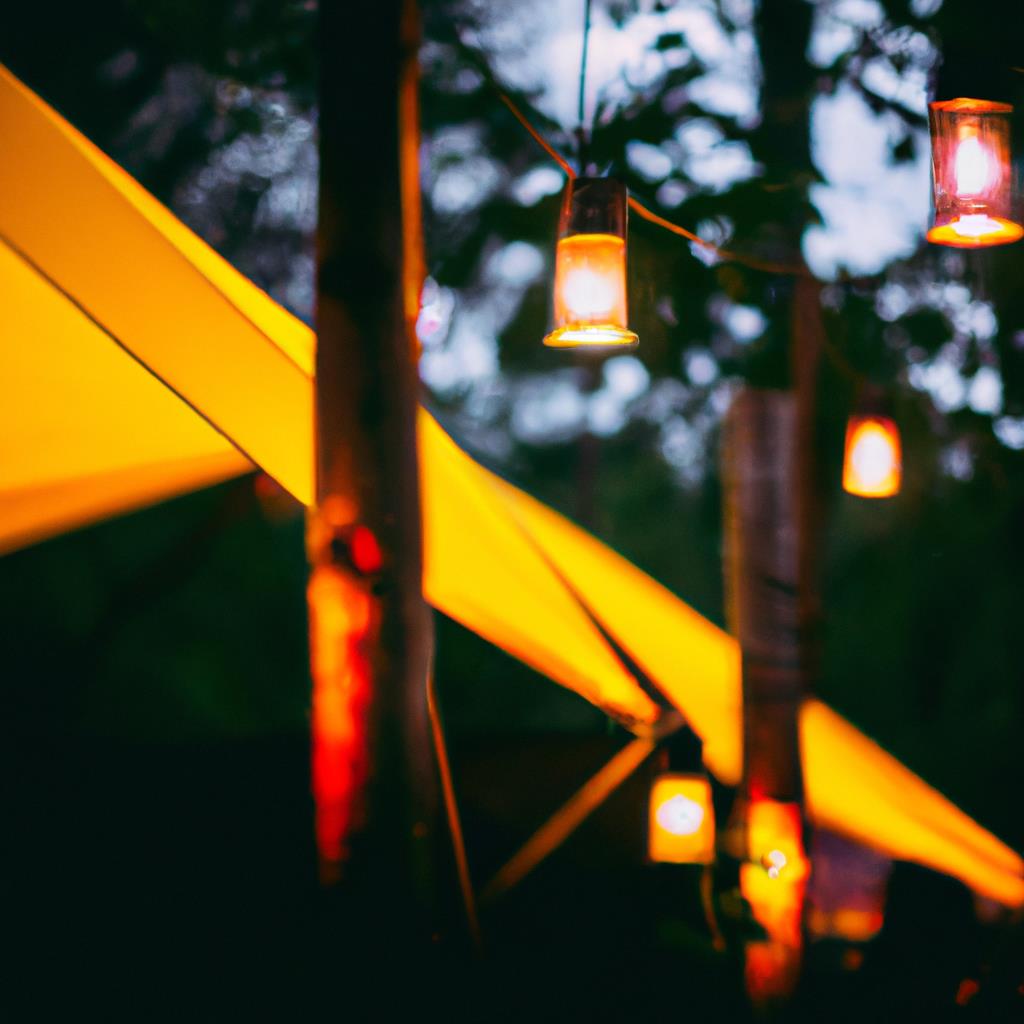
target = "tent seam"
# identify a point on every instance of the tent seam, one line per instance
(96, 322)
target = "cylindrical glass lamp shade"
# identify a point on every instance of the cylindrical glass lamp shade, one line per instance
(590, 268)
(972, 174)
(873, 462)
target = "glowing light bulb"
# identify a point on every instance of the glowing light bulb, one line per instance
(972, 168)
(590, 291)
(589, 294)
(975, 225)
(774, 861)
(873, 457)
(680, 815)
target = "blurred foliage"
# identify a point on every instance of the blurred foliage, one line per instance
(212, 106)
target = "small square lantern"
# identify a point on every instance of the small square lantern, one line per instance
(590, 268)
(681, 826)
(972, 174)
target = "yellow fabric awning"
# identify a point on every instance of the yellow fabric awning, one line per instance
(85, 431)
(483, 570)
(91, 234)
(853, 786)
(137, 364)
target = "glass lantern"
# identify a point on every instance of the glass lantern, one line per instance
(590, 268)
(972, 174)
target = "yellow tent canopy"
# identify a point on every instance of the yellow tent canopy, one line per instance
(137, 364)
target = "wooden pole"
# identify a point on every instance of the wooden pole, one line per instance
(373, 769)
(763, 557)
(765, 564)
(771, 528)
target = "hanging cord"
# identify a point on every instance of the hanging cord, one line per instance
(832, 352)
(795, 270)
(473, 55)
(726, 255)
(537, 137)
(582, 135)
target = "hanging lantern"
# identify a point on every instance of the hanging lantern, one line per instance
(873, 459)
(775, 839)
(775, 874)
(681, 824)
(972, 174)
(590, 268)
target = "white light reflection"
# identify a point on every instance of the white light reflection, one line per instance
(680, 816)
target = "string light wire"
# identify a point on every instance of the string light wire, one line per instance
(642, 211)
(581, 110)
(727, 256)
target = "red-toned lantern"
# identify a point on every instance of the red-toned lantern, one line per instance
(873, 461)
(972, 174)
(590, 268)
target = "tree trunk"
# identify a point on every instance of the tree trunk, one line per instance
(763, 557)
(370, 629)
(770, 520)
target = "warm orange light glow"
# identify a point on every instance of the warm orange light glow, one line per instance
(775, 839)
(966, 991)
(972, 168)
(590, 292)
(772, 965)
(770, 971)
(873, 462)
(681, 823)
(848, 923)
(340, 621)
(414, 262)
(973, 183)
(973, 231)
(774, 878)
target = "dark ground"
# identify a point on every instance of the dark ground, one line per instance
(176, 881)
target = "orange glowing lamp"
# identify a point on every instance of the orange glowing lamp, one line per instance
(775, 875)
(681, 827)
(775, 839)
(873, 460)
(590, 268)
(972, 174)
